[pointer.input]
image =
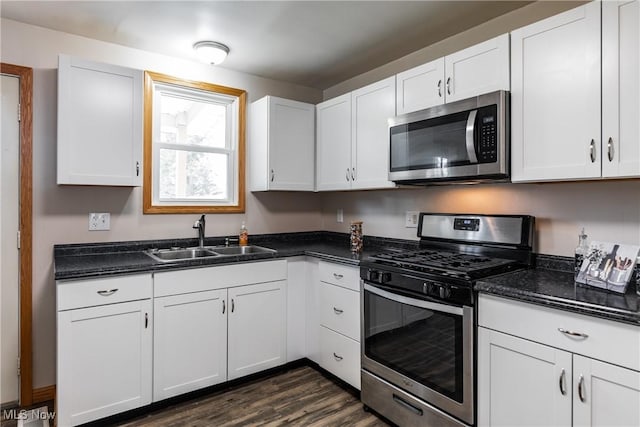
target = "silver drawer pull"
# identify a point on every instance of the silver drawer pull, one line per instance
(581, 389)
(562, 383)
(338, 276)
(338, 358)
(573, 334)
(337, 310)
(108, 293)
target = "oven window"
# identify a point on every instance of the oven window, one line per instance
(430, 144)
(421, 344)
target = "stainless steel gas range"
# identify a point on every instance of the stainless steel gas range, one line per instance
(419, 316)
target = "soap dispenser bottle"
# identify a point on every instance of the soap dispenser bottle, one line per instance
(243, 239)
(581, 251)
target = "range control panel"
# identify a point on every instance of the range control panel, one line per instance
(466, 224)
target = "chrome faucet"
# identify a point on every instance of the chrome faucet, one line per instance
(199, 225)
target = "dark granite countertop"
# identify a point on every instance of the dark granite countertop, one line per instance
(552, 284)
(78, 261)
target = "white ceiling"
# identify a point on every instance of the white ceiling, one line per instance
(312, 43)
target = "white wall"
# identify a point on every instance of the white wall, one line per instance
(60, 213)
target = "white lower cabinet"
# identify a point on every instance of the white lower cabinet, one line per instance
(190, 342)
(104, 352)
(338, 315)
(527, 383)
(257, 328)
(216, 324)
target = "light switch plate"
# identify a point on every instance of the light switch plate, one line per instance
(99, 221)
(411, 219)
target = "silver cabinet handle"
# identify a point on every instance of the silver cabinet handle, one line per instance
(233, 305)
(581, 389)
(338, 276)
(610, 149)
(273, 175)
(440, 88)
(592, 151)
(337, 310)
(353, 174)
(347, 174)
(107, 293)
(573, 333)
(448, 85)
(338, 358)
(146, 320)
(137, 168)
(407, 405)
(224, 307)
(562, 383)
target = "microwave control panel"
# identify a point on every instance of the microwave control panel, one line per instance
(487, 150)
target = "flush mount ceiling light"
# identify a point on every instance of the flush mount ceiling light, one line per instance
(211, 52)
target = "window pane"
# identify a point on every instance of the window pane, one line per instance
(191, 121)
(193, 175)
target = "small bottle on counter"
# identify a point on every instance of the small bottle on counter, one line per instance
(243, 238)
(581, 251)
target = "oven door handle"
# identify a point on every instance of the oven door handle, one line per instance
(451, 309)
(471, 131)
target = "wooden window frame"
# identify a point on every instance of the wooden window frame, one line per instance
(147, 190)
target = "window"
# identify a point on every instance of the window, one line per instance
(193, 146)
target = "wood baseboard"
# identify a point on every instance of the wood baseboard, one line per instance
(43, 394)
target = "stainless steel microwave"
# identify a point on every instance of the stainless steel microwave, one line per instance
(463, 140)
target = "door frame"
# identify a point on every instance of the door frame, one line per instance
(25, 75)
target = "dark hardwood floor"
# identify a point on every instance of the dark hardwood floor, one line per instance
(298, 397)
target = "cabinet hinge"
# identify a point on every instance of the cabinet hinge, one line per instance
(18, 244)
(19, 371)
(19, 115)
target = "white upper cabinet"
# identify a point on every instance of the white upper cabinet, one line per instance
(555, 97)
(99, 124)
(620, 89)
(420, 87)
(371, 107)
(353, 138)
(333, 143)
(281, 145)
(479, 69)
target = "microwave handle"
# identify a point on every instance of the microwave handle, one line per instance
(471, 131)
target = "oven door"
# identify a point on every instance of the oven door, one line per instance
(423, 347)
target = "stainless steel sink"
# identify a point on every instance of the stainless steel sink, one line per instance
(240, 250)
(186, 254)
(182, 254)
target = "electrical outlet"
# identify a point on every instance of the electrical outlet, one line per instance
(340, 215)
(99, 221)
(411, 219)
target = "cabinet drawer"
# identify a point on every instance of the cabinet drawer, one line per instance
(340, 356)
(224, 276)
(108, 290)
(340, 310)
(613, 342)
(341, 275)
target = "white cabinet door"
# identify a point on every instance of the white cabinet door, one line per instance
(555, 97)
(257, 328)
(372, 106)
(282, 145)
(104, 361)
(620, 89)
(99, 123)
(334, 143)
(340, 355)
(420, 87)
(190, 342)
(479, 69)
(604, 395)
(522, 383)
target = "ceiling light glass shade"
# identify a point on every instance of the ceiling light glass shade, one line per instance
(211, 52)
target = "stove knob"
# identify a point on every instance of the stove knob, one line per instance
(445, 292)
(373, 275)
(385, 277)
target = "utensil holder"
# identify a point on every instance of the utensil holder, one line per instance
(356, 236)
